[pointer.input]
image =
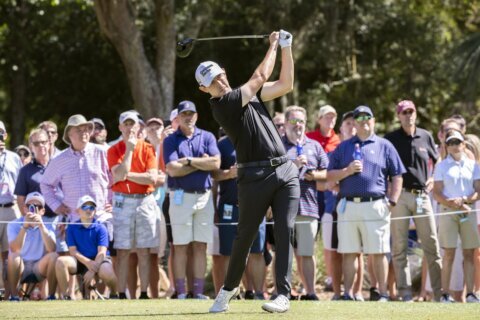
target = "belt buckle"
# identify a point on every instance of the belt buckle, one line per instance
(357, 199)
(275, 162)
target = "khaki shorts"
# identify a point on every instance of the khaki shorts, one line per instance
(305, 231)
(364, 225)
(7, 214)
(136, 222)
(192, 220)
(450, 228)
(31, 268)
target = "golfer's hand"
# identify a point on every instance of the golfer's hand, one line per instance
(274, 38)
(285, 39)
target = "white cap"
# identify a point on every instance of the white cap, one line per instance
(35, 196)
(173, 114)
(128, 115)
(326, 109)
(84, 200)
(206, 72)
(455, 135)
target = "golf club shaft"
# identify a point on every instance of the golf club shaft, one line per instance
(253, 36)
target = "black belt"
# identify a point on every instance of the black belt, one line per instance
(414, 191)
(134, 195)
(274, 162)
(6, 205)
(364, 199)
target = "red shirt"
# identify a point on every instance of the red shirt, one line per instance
(328, 143)
(143, 159)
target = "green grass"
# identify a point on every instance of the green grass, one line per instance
(195, 309)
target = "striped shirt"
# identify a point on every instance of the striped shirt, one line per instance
(316, 159)
(10, 165)
(77, 173)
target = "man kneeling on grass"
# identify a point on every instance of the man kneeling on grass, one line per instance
(32, 248)
(89, 257)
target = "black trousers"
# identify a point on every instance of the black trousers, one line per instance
(258, 189)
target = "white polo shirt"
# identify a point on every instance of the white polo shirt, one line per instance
(457, 176)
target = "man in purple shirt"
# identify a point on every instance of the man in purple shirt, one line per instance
(190, 154)
(79, 170)
(364, 206)
(312, 161)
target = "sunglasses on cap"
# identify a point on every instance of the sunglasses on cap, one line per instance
(296, 121)
(33, 208)
(87, 207)
(363, 118)
(453, 142)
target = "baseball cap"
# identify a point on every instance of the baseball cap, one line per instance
(84, 200)
(347, 115)
(35, 196)
(186, 106)
(98, 121)
(129, 115)
(455, 135)
(405, 105)
(326, 109)
(362, 109)
(173, 114)
(155, 120)
(206, 72)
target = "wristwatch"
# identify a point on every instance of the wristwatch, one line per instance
(189, 161)
(392, 203)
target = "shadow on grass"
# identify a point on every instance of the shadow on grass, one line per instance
(185, 314)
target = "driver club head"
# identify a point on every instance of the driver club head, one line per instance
(185, 47)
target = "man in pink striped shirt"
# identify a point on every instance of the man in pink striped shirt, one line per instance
(81, 169)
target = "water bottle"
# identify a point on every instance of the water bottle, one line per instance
(299, 149)
(357, 153)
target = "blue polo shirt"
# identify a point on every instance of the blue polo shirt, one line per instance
(88, 239)
(380, 161)
(29, 181)
(316, 159)
(228, 188)
(33, 248)
(177, 146)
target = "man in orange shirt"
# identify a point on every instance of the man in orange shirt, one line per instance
(134, 169)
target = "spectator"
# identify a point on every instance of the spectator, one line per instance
(87, 242)
(32, 248)
(363, 188)
(279, 122)
(51, 128)
(190, 153)
(134, 168)
(456, 187)
(416, 148)
(99, 135)
(312, 161)
(227, 216)
(24, 154)
(10, 165)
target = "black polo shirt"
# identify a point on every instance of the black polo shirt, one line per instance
(250, 128)
(415, 152)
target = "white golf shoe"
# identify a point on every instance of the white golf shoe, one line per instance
(280, 304)
(221, 301)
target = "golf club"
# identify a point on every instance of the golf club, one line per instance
(185, 46)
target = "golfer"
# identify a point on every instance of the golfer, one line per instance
(265, 177)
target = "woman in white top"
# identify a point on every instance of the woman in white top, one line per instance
(456, 187)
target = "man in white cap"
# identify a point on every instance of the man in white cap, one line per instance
(79, 170)
(88, 245)
(136, 214)
(10, 165)
(262, 164)
(32, 248)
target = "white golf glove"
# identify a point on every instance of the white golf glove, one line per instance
(285, 39)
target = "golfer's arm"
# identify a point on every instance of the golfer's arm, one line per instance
(284, 84)
(260, 76)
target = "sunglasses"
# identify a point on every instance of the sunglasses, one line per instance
(87, 207)
(23, 154)
(33, 208)
(363, 118)
(296, 121)
(40, 143)
(453, 142)
(407, 112)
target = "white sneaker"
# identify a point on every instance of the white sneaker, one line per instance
(182, 296)
(202, 297)
(472, 298)
(280, 304)
(221, 301)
